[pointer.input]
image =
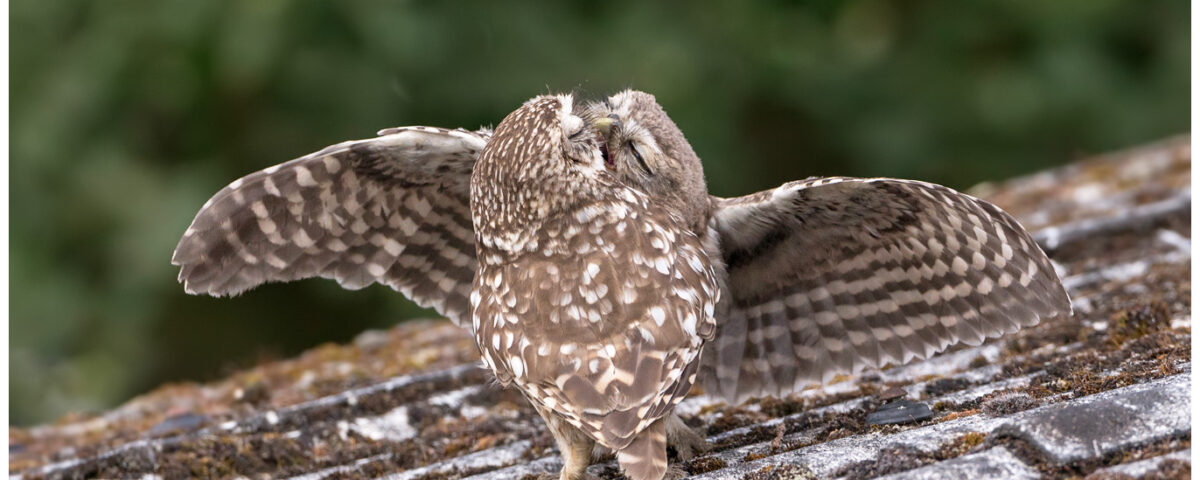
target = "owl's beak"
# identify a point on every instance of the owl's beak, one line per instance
(606, 124)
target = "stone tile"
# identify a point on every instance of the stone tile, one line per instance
(994, 463)
(1151, 411)
(1141, 468)
(1099, 424)
(824, 460)
(494, 458)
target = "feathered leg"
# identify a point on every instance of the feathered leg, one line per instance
(574, 446)
(646, 457)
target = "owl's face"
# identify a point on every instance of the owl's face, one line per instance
(645, 149)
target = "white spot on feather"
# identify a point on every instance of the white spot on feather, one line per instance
(266, 225)
(658, 315)
(517, 366)
(393, 247)
(304, 177)
(336, 245)
(269, 186)
(259, 209)
(302, 239)
(331, 164)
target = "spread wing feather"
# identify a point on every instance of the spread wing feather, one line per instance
(831, 275)
(392, 210)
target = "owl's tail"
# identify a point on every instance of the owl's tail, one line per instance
(645, 458)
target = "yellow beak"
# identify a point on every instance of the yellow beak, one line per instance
(606, 124)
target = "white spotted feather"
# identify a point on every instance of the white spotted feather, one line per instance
(833, 275)
(392, 210)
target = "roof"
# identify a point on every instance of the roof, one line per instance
(1103, 392)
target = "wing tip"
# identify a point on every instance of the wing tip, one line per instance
(198, 288)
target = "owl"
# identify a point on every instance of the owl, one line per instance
(817, 277)
(590, 298)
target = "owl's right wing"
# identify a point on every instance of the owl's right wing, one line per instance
(831, 275)
(394, 210)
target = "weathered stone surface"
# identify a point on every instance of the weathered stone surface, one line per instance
(995, 463)
(490, 459)
(1141, 468)
(1101, 424)
(1159, 419)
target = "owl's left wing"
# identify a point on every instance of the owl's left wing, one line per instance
(392, 210)
(831, 275)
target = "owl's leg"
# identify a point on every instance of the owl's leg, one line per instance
(646, 457)
(686, 442)
(574, 446)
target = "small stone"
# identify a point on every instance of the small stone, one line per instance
(371, 340)
(257, 393)
(891, 394)
(177, 424)
(900, 412)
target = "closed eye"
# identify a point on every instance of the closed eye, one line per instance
(638, 156)
(575, 136)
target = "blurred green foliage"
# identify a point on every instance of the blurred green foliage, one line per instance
(127, 115)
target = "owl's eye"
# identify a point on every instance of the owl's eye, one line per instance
(577, 134)
(638, 156)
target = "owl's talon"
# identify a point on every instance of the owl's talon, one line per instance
(686, 441)
(675, 472)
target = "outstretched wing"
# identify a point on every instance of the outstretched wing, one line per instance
(392, 209)
(831, 275)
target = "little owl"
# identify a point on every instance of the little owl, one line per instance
(603, 280)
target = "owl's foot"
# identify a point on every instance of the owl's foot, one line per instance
(686, 442)
(675, 472)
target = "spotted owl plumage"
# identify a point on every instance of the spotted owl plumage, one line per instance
(816, 277)
(592, 300)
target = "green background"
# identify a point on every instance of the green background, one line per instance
(127, 115)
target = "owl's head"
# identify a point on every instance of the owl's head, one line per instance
(646, 150)
(542, 139)
(542, 159)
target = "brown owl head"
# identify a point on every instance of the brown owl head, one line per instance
(543, 159)
(645, 149)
